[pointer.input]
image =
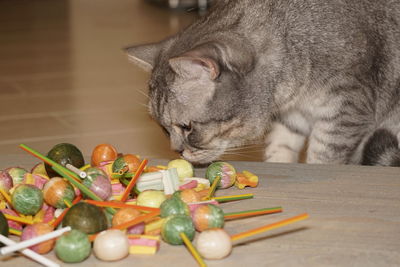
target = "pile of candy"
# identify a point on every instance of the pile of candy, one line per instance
(120, 204)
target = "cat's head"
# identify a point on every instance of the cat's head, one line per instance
(196, 95)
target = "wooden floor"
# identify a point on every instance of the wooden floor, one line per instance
(64, 77)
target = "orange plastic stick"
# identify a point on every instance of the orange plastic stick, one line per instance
(61, 217)
(130, 223)
(133, 180)
(250, 213)
(118, 205)
(268, 227)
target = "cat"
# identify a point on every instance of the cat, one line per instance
(325, 71)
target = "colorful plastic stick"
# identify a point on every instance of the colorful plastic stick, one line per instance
(29, 253)
(17, 219)
(133, 180)
(249, 213)
(14, 231)
(193, 250)
(120, 205)
(233, 197)
(80, 186)
(77, 171)
(133, 222)
(47, 160)
(5, 195)
(61, 217)
(213, 188)
(33, 241)
(269, 227)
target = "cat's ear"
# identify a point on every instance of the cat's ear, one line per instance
(191, 66)
(145, 56)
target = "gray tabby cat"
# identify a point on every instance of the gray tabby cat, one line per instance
(326, 70)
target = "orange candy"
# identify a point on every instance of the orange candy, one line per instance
(124, 215)
(132, 161)
(190, 196)
(35, 230)
(103, 152)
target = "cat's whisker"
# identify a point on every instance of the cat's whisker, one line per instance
(143, 93)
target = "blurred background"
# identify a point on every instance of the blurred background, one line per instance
(64, 77)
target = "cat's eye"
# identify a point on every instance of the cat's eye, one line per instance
(186, 127)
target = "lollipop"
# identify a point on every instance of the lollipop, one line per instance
(188, 195)
(27, 199)
(174, 225)
(174, 206)
(111, 245)
(64, 154)
(102, 153)
(214, 244)
(184, 168)
(35, 230)
(98, 182)
(16, 174)
(224, 170)
(6, 182)
(151, 198)
(56, 190)
(127, 214)
(126, 163)
(12, 224)
(73, 247)
(86, 218)
(207, 217)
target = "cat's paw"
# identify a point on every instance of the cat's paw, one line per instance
(281, 155)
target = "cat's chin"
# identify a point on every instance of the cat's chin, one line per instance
(200, 158)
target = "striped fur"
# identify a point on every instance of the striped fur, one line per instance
(323, 70)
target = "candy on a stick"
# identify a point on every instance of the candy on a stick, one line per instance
(73, 247)
(102, 153)
(29, 253)
(188, 195)
(38, 229)
(184, 168)
(214, 244)
(34, 241)
(16, 174)
(174, 206)
(127, 214)
(27, 199)
(98, 182)
(126, 163)
(80, 186)
(224, 170)
(151, 198)
(111, 245)
(86, 218)
(207, 217)
(174, 225)
(56, 190)
(6, 182)
(64, 153)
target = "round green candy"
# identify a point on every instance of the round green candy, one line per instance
(64, 154)
(224, 170)
(27, 199)
(174, 225)
(73, 247)
(174, 206)
(85, 217)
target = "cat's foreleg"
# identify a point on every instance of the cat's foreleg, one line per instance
(335, 144)
(283, 145)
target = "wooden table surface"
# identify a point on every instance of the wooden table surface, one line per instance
(354, 219)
